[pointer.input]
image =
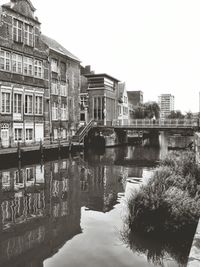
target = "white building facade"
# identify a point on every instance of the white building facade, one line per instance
(166, 104)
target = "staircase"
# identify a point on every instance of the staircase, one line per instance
(82, 132)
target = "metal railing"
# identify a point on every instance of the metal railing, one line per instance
(162, 123)
(80, 136)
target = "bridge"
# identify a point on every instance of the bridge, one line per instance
(161, 124)
(139, 125)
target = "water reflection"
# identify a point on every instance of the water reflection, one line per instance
(160, 248)
(39, 211)
(45, 206)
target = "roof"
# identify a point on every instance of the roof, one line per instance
(55, 46)
(19, 7)
(28, 1)
(101, 75)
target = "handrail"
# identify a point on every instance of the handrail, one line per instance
(164, 122)
(85, 130)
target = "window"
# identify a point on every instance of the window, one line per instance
(28, 104)
(17, 103)
(64, 133)
(38, 68)
(29, 174)
(29, 134)
(5, 102)
(63, 71)
(83, 102)
(54, 87)
(18, 134)
(98, 108)
(38, 105)
(55, 133)
(125, 110)
(54, 65)
(4, 60)
(16, 63)
(28, 35)
(73, 81)
(119, 110)
(64, 112)
(63, 89)
(55, 111)
(28, 66)
(17, 31)
(82, 116)
(6, 179)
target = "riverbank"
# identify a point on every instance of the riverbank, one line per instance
(167, 208)
(40, 149)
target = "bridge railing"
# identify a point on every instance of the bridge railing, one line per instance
(176, 123)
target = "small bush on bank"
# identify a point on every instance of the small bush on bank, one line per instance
(168, 205)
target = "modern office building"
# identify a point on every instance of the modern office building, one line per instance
(166, 104)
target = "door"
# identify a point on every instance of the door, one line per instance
(39, 132)
(5, 137)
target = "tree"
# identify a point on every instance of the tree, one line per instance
(189, 115)
(152, 110)
(175, 114)
(148, 110)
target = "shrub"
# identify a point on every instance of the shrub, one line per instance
(169, 204)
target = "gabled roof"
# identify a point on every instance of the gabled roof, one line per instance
(22, 7)
(15, 1)
(55, 46)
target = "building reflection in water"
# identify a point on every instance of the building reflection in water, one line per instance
(40, 205)
(100, 186)
(40, 211)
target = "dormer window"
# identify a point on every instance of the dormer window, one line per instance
(17, 30)
(28, 35)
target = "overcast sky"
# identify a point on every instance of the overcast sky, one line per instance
(152, 45)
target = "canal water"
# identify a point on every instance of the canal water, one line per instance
(70, 212)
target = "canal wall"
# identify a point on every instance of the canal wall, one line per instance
(106, 137)
(197, 146)
(41, 150)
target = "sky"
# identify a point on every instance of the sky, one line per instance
(151, 45)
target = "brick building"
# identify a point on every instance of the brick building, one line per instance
(39, 80)
(23, 75)
(64, 84)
